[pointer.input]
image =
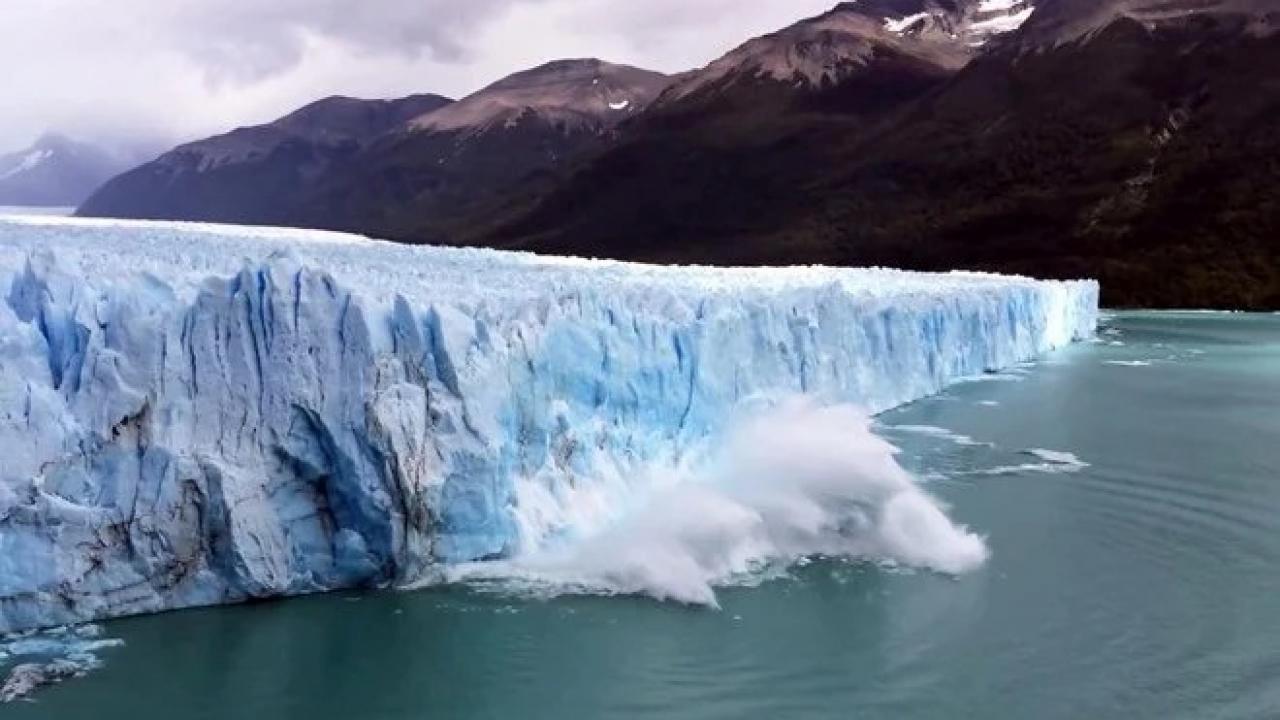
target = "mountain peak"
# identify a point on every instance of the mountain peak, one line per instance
(340, 118)
(576, 93)
(828, 48)
(333, 122)
(55, 170)
(557, 71)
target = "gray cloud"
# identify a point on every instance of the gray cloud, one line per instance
(245, 40)
(179, 69)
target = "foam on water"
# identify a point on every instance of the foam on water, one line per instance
(937, 432)
(792, 482)
(1051, 462)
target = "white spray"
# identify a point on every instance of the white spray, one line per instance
(795, 481)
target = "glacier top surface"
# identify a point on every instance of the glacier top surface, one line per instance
(184, 255)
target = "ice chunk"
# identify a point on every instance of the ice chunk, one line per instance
(48, 657)
(195, 414)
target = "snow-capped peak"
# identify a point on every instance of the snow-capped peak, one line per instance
(974, 22)
(28, 162)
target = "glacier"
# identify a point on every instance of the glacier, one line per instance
(197, 414)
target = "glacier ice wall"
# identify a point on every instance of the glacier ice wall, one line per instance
(195, 414)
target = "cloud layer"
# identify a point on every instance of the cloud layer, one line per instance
(126, 70)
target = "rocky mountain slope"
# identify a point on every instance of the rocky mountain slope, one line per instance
(418, 168)
(254, 174)
(726, 151)
(447, 171)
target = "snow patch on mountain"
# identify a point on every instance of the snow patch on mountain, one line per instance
(1001, 23)
(28, 162)
(903, 24)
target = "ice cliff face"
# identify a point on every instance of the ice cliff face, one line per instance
(199, 414)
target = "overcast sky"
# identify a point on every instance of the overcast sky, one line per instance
(111, 70)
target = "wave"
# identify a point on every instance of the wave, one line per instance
(1053, 461)
(793, 482)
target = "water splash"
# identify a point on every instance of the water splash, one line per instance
(796, 481)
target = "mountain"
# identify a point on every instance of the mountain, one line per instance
(254, 174)
(55, 172)
(826, 52)
(1135, 142)
(725, 150)
(448, 170)
(413, 169)
(572, 95)
(1132, 142)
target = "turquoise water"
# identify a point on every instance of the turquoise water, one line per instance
(1143, 585)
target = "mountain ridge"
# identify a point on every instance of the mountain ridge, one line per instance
(584, 92)
(252, 174)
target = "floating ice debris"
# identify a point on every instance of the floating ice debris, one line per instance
(33, 659)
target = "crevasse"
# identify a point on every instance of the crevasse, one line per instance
(196, 414)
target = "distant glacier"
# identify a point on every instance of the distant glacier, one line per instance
(197, 414)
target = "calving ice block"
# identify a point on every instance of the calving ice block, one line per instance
(197, 414)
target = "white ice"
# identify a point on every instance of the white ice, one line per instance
(196, 414)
